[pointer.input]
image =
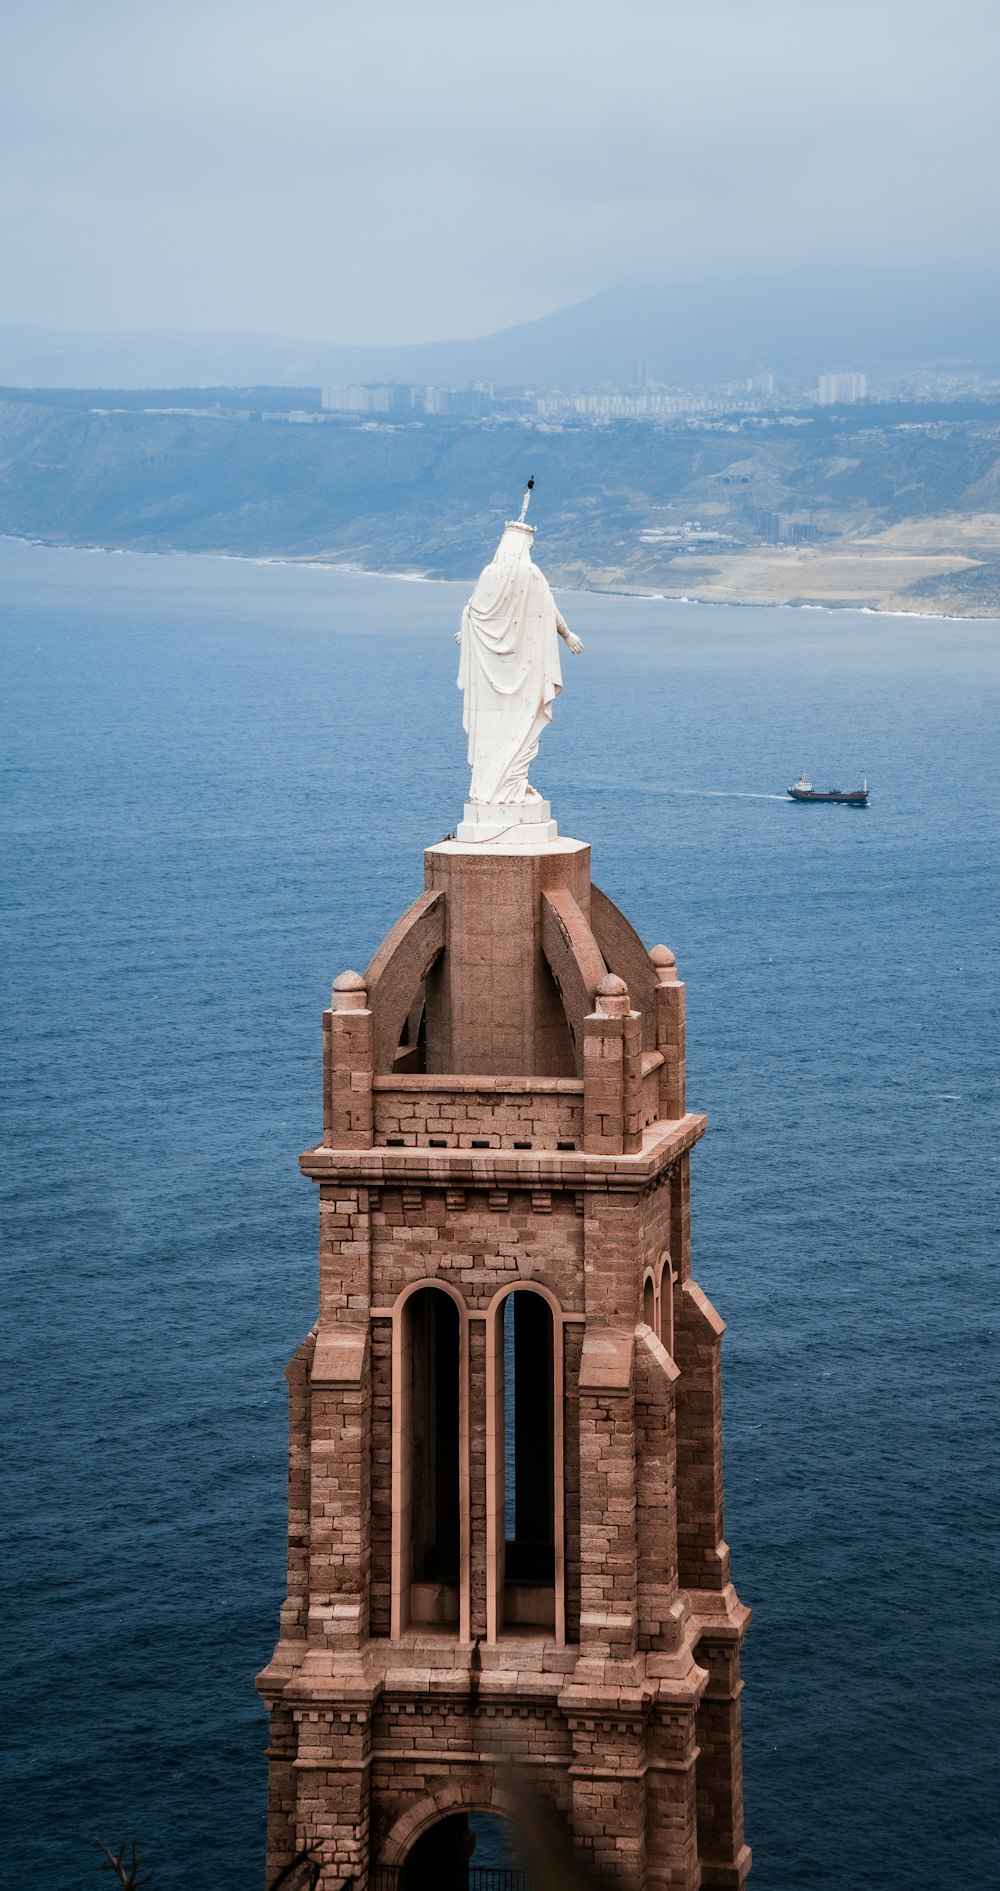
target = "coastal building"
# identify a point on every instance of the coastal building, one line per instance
(506, 1551)
(368, 399)
(840, 390)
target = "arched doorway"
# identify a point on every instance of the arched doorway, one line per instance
(475, 1851)
(439, 1861)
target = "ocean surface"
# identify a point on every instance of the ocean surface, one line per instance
(217, 781)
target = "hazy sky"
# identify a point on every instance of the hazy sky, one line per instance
(390, 171)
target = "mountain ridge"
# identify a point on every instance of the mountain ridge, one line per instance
(684, 332)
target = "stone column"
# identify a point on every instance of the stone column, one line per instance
(612, 1073)
(340, 1495)
(669, 1034)
(334, 1795)
(349, 1061)
(609, 1778)
(725, 1857)
(608, 1549)
(671, 1808)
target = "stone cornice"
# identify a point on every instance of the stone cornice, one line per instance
(662, 1144)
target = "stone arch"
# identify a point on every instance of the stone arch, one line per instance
(495, 1463)
(475, 1795)
(626, 956)
(402, 1462)
(574, 960)
(526, 1286)
(431, 1280)
(396, 973)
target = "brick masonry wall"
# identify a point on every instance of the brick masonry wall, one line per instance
(295, 1610)
(609, 1792)
(340, 1512)
(477, 1240)
(720, 1764)
(703, 1558)
(334, 1759)
(282, 1791)
(344, 1255)
(656, 1506)
(671, 1787)
(493, 1117)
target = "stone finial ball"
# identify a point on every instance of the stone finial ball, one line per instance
(612, 997)
(349, 992)
(665, 963)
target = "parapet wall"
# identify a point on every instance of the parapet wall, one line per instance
(479, 1112)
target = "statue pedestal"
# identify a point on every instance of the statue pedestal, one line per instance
(519, 824)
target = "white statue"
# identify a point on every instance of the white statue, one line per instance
(509, 668)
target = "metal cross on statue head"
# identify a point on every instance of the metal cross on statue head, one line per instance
(524, 502)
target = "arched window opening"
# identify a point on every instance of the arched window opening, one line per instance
(649, 1302)
(528, 1461)
(667, 1278)
(431, 1419)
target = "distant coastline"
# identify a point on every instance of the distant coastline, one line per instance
(854, 512)
(863, 604)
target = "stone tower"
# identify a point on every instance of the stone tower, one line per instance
(505, 1490)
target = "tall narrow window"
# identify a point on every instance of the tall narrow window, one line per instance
(649, 1302)
(667, 1278)
(432, 1421)
(528, 1461)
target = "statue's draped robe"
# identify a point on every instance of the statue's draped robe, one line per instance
(509, 670)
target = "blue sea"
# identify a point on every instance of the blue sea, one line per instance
(218, 777)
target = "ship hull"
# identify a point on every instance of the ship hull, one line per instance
(856, 798)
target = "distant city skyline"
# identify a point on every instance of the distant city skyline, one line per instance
(645, 400)
(398, 175)
(773, 334)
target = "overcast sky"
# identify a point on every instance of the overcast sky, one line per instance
(390, 171)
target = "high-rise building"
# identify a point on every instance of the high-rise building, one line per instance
(836, 390)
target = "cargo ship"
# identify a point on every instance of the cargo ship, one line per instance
(803, 790)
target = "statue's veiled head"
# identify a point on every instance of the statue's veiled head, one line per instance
(515, 546)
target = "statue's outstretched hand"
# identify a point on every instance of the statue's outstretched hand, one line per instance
(458, 636)
(573, 642)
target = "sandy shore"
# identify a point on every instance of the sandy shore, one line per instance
(916, 566)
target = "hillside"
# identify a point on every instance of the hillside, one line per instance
(868, 505)
(686, 333)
